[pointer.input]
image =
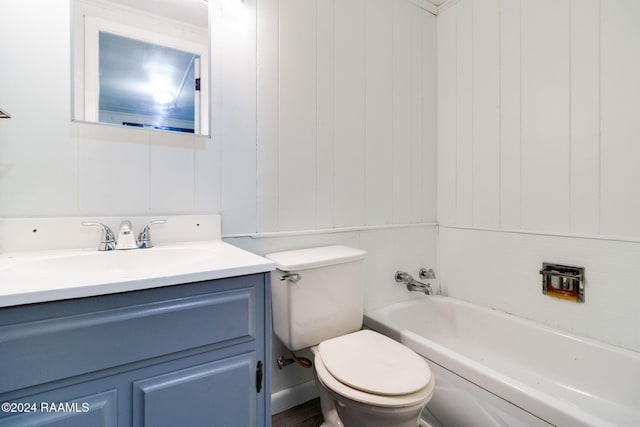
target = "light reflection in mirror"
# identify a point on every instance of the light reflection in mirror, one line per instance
(147, 85)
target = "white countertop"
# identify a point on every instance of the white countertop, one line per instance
(39, 276)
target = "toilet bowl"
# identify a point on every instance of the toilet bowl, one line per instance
(364, 379)
(367, 379)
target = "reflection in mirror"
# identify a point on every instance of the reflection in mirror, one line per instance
(140, 82)
(142, 63)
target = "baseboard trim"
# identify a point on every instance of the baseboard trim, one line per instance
(293, 396)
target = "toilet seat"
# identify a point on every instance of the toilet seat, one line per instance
(371, 368)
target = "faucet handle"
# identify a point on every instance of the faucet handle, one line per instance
(108, 240)
(403, 277)
(426, 274)
(144, 238)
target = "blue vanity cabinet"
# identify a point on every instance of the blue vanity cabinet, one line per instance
(196, 354)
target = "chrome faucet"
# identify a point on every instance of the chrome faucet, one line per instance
(126, 238)
(412, 284)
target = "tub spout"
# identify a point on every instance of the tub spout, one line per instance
(412, 284)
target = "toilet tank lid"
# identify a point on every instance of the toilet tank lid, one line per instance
(301, 259)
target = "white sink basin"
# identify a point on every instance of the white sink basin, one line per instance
(115, 264)
(51, 275)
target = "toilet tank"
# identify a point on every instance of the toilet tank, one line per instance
(325, 300)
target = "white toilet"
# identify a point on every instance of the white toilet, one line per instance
(364, 379)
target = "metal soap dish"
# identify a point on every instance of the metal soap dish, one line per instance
(563, 281)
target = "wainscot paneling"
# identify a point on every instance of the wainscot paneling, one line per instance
(537, 157)
(509, 132)
(536, 115)
(500, 270)
(447, 116)
(464, 111)
(379, 129)
(236, 27)
(486, 114)
(620, 127)
(545, 90)
(346, 117)
(585, 116)
(297, 164)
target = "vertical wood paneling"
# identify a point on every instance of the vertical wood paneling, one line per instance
(347, 143)
(486, 113)
(325, 118)
(208, 164)
(545, 115)
(379, 129)
(620, 92)
(349, 172)
(528, 113)
(429, 165)
(401, 113)
(173, 193)
(510, 114)
(268, 132)
(297, 119)
(447, 115)
(585, 116)
(465, 119)
(415, 19)
(238, 117)
(207, 175)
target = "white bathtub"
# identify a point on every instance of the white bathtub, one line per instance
(510, 371)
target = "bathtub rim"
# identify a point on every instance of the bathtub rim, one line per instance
(556, 411)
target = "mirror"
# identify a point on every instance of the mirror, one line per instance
(142, 63)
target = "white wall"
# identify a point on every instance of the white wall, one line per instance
(337, 133)
(327, 124)
(337, 141)
(323, 132)
(537, 132)
(500, 270)
(52, 167)
(345, 129)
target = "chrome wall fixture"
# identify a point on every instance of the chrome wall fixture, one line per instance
(291, 277)
(125, 240)
(4, 114)
(427, 274)
(413, 285)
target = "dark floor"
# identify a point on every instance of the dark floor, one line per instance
(306, 415)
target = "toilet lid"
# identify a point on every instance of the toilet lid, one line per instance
(334, 386)
(374, 363)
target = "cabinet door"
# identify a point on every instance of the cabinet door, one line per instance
(97, 410)
(216, 394)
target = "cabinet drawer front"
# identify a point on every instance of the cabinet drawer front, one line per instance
(46, 350)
